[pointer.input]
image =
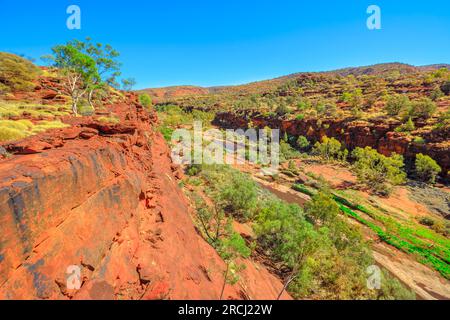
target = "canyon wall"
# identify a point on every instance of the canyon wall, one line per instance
(105, 197)
(379, 135)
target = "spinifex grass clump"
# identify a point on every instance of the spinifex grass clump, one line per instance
(18, 129)
(34, 111)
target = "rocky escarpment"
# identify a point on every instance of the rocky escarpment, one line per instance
(105, 198)
(379, 135)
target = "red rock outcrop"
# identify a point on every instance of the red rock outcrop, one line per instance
(104, 197)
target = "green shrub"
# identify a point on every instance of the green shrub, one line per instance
(423, 108)
(322, 208)
(419, 140)
(436, 94)
(392, 289)
(330, 149)
(282, 110)
(145, 100)
(303, 143)
(377, 171)
(193, 170)
(233, 191)
(408, 126)
(396, 104)
(304, 104)
(426, 221)
(426, 168)
(446, 88)
(287, 152)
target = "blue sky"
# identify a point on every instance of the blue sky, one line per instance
(212, 43)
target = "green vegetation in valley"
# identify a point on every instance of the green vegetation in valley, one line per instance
(330, 149)
(377, 171)
(322, 256)
(427, 169)
(430, 247)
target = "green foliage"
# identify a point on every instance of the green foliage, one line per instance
(423, 108)
(322, 209)
(282, 110)
(275, 219)
(397, 104)
(145, 100)
(287, 152)
(232, 190)
(303, 143)
(330, 149)
(436, 94)
(322, 255)
(445, 87)
(419, 140)
(392, 289)
(16, 73)
(166, 132)
(193, 170)
(239, 196)
(408, 126)
(428, 255)
(105, 57)
(441, 73)
(426, 168)
(79, 68)
(444, 120)
(233, 247)
(377, 171)
(303, 105)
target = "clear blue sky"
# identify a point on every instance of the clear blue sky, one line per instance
(173, 42)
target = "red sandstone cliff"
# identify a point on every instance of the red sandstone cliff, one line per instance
(105, 197)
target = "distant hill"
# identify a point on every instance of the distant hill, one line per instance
(167, 93)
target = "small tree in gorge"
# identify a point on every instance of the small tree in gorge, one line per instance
(427, 168)
(79, 69)
(298, 244)
(231, 248)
